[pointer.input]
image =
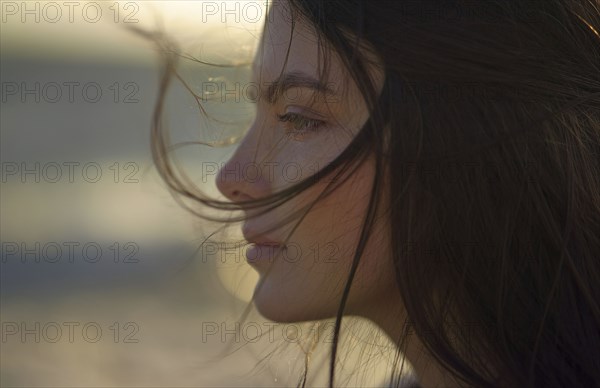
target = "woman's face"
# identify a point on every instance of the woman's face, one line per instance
(294, 134)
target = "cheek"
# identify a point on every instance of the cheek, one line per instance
(334, 228)
(311, 287)
(336, 221)
(375, 277)
(344, 214)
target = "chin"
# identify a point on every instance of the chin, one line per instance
(288, 307)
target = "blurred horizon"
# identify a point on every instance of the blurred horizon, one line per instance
(91, 236)
(100, 33)
(143, 278)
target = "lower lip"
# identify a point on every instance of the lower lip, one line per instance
(261, 253)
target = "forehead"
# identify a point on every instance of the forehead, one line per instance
(287, 50)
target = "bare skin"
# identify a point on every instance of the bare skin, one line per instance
(306, 282)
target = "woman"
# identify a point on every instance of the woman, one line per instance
(450, 192)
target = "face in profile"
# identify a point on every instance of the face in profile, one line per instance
(496, 127)
(299, 128)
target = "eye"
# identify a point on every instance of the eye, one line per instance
(299, 124)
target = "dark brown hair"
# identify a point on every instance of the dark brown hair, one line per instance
(488, 125)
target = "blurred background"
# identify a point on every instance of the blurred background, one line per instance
(101, 283)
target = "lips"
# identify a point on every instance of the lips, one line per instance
(251, 236)
(264, 249)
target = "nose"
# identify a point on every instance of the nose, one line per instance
(243, 176)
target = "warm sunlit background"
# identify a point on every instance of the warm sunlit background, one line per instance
(96, 288)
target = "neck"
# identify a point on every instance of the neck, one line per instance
(392, 320)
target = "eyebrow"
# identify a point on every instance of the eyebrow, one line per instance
(290, 80)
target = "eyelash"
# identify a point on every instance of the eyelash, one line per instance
(295, 118)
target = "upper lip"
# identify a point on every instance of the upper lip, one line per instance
(255, 238)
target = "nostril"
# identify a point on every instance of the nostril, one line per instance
(236, 187)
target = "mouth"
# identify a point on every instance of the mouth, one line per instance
(262, 249)
(254, 238)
